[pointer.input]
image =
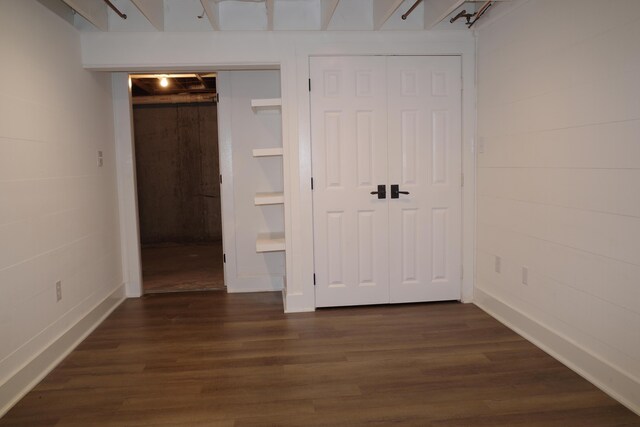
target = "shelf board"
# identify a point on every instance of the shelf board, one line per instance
(270, 242)
(266, 152)
(266, 103)
(269, 199)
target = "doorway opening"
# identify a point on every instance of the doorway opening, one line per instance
(178, 188)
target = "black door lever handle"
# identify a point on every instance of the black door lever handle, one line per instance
(382, 192)
(395, 191)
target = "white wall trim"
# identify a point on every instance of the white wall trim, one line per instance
(303, 268)
(297, 303)
(256, 284)
(616, 383)
(223, 85)
(126, 177)
(20, 383)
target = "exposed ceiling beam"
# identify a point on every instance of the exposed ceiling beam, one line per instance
(269, 4)
(172, 75)
(382, 10)
(94, 11)
(436, 10)
(175, 99)
(144, 85)
(179, 86)
(202, 81)
(327, 7)
(153, 10)
(212, 11)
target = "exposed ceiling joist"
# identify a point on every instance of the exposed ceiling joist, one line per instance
(146, 86)
(176, 99)
(212, 11)
(382, 10)
(269, 5)
(327, 9)
(436, 10)
(172, 75)
(153, 10)
(202, 81)
(94, 11)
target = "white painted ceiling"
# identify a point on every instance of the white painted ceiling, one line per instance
(267, 15)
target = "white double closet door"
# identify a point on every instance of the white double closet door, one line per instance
(386, 121)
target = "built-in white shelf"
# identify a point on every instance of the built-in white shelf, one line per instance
(266, 103)
(269, 199)
(266, 152)
(270, 242)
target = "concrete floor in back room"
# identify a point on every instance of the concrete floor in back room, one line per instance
(182, 267)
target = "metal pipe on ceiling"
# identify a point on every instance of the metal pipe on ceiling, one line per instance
(404, 17)
(115, 9)
(481, 12)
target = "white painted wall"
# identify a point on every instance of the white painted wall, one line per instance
(290, 51)
(559, 118)
(241, 130)
(58, 210)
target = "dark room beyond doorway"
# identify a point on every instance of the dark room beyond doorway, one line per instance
(177, 173)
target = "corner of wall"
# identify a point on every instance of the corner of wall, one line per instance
(19, 384)
(619, 385)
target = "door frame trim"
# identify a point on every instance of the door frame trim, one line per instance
(130, 245)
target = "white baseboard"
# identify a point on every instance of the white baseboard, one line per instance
(297, 303)
(241, 285)
(617, 384)
(256, 289)
(34, 371)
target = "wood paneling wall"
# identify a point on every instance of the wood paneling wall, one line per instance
(177, 173)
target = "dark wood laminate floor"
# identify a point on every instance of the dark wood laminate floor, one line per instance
(213, 359)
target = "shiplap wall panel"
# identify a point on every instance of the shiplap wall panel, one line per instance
(580, 147)
(58, 210)
(582, 270)
(584, 327)
(559, 167)
(614, 236)
(586, 189)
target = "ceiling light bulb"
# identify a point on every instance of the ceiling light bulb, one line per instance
(164, 82)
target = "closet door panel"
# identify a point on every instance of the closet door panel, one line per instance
(424, 125)
(349, 161)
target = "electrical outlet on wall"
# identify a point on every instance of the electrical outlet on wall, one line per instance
(58, 291)
(100, 159)
(498, 266)
(480, 145)
(525, 275)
